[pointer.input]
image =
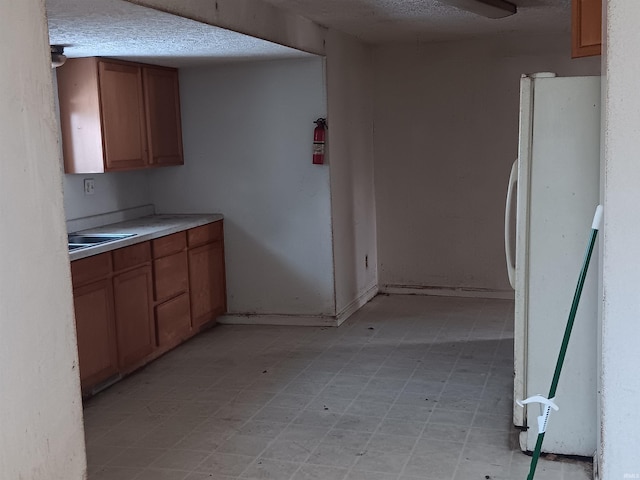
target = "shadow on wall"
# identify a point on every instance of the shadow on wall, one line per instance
(265, 281)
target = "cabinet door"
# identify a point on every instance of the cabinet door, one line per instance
(133, 299)
(162, 103)
(97, 349)
(124, 128)
(173, 320)
(586, 28)
(207, 282)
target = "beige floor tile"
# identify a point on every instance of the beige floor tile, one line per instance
(381, 461)
(224, 464)
(269, 469)
(334, 455)
(394, 426)
(359, 423)
(136, 457)
(177, 459)
(318, 472)
(360, 475)
(244, 445)
(115, 473)
(433, 465)
(419, 386)
(102, 454)
(208, 476)
(161, 474)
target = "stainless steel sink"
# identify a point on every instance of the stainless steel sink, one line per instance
(77, 241)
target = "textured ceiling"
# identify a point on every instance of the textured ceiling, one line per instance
(115, 28)
(380, 21)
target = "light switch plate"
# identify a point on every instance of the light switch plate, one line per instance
(89, 186)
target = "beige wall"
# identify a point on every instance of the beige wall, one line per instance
(349, 87)
(446, 133)
(620, 383)
(41, 435)
(350, 90)
(247, 134)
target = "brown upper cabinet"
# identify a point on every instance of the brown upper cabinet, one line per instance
(586, 28)
(162, 107)
(118, 116)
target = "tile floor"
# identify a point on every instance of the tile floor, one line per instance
(409, 388)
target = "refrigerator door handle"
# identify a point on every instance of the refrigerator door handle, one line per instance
(511, 268)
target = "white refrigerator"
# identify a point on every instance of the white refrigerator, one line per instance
(552, 195)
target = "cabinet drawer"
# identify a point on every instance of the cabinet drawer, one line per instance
(170, 275)
(170, 244)
(128, 257)
(205, 234)
(173, 320)
(91, 268)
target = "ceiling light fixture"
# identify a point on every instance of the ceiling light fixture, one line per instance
(57, 56)
(486, 8)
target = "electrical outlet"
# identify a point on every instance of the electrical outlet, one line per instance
(89, 186)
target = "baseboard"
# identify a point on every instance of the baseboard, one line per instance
(283, 320)
(447, 291)
(356, 304)
(301, 320)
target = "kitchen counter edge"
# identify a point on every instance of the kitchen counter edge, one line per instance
(144, 229)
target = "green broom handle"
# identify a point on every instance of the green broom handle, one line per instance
(572, 314)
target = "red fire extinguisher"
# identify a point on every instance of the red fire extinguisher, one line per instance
(319, 139)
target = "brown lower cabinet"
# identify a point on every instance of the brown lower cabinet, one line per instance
(173, 319)
(95, 327)
(135, 303)
(133, 300)
(206, 279)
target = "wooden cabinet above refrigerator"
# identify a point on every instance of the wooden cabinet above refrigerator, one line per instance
(117, 116)
(586, 28)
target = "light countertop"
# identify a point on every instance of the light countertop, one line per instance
(144, 229)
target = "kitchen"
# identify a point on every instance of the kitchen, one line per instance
(473, 203)
(484, 88)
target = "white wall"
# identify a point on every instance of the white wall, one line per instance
(446, 133)
(248, 133)
(620, 424)
(350, 87)
(40, 407)
(349, 74)
(113, 191)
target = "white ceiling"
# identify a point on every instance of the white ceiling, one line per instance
(380, 21)
(117, 28)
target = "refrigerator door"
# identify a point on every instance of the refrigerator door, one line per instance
(558, 190)
(521, 260)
